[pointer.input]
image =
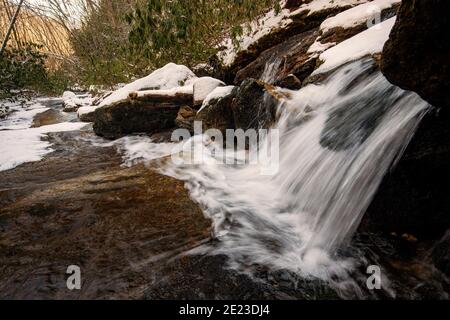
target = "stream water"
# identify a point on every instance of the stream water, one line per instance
(337, 140)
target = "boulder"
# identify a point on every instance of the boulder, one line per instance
(255, 105)
(146, 111)
(86, 114)
(216, 112)
(185, 118)
(413, 197)
(204, 86)
(416, 56)
(440, 254)
(278, 62)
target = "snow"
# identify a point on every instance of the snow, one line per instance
(85, 110)
(73, 101)
(320, 5)
(26, 145)
(357, 15)
(217, 93)
(21, 117)
(368, 42)
(187, 89)
(167, 77)
(204, 86)
(272, 21)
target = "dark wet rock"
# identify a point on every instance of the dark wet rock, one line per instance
(203, 70)
(255, 105)
(185, 118)
(289, 57)
(416, 56)
(80, 206)
(350, 124)
(294, 4)
(289, 82)
(412, 197)
(206, 277)
(139, 114)
(440, 254)
(218, 114)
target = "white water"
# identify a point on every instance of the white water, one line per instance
(337, 140)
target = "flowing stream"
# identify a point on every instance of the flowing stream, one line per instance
(337, 140)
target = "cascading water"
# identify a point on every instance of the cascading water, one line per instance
(337, 140)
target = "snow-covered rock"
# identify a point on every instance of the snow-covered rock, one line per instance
(72, 101)
(362, 14)
(368, 42)
(217, 94)
(203, 87)
(86, 114)
(257, 35)
(168, 77)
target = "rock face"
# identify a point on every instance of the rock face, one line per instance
(139, 113)
(416, 56)
(277, 63)
(255, 105)
(440, 254)
(217, 113)
(412, 198)
(185, 118)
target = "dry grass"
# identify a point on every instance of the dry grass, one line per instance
(33, 26)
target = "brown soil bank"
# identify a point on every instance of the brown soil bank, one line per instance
(79, 206)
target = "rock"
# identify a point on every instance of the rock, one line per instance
(147, 111)
(86, 114)
(416, 56)
(203, 70)
(216, 113)
(411, 198)
(4, 111)
(255, 105)
(440, 254)
(204, 86)
(185, 118)
(278, 62)
(277, 28)
(289, 82)
(169, 77)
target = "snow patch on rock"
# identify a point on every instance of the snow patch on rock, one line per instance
(368, 42)
(203, 87)
(167, 77)
(217, 93)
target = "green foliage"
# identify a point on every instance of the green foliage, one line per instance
(24, 69)
(100, 46)
(189, 31)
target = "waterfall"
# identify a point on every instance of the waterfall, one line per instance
(337, 141)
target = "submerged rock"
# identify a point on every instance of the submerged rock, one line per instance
(416, 56)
